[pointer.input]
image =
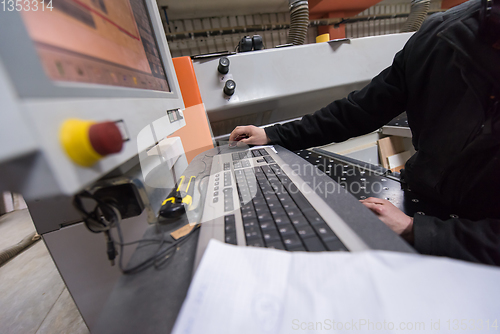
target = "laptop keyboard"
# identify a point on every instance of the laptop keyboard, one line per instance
(275, 213)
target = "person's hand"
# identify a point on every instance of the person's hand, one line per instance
(394, 218)
(248, 135)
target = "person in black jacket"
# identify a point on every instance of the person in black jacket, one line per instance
(447, 79)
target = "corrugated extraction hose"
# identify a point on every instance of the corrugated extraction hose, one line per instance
(10, 252)
(299, 22)
(418, 13)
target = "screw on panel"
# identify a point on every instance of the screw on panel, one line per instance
(415, 200)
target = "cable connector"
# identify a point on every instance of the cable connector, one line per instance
(111, 251)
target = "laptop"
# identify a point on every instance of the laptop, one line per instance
(270, 197)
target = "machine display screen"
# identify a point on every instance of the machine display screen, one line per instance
(109, 42)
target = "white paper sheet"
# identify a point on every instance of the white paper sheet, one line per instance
(240, 290)
(399, 159)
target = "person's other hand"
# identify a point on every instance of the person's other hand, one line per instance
(248, 135)
(394, 218)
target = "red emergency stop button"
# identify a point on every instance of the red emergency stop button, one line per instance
(105, 138)
(85, 142)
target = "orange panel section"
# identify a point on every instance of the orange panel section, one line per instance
(341, 14)
(329, 6)
(447, 4)
(335, 33)
(195, 136)
(187, 81)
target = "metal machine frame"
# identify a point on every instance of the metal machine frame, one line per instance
(33, 163)
(41, 105)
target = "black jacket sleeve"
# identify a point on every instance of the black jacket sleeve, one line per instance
(475, 241)
(361, 112)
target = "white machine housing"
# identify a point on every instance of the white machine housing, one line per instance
(284, 83)
(33, 107)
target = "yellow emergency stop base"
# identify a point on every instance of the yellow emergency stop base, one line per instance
(74, 138)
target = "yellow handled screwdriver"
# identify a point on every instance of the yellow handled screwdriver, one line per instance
(175, 204)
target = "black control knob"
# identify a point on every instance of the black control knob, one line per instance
(223, 65)
(229, 87)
